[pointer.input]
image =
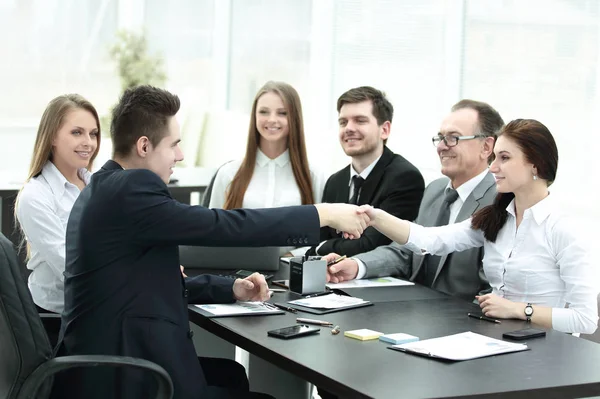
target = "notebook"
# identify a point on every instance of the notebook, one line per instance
(238, 309)
(327, 303)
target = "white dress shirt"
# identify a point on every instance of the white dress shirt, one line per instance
(464, 190)
(43, 212)
(542, 262)
(272, 185)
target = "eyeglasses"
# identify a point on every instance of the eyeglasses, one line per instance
(451, 141)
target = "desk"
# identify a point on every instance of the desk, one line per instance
(558, 365)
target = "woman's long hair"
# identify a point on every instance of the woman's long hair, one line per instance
(296, 144)
(539, 148)
(51, 122)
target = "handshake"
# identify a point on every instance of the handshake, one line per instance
(352, 220)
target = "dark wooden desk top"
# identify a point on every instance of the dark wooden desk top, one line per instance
(558, 365)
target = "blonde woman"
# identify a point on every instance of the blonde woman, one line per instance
(275, 170)
(68, 140)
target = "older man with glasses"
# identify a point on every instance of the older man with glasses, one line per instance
(465, 145)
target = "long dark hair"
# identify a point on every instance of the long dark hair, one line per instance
(234, 196)
(539, 148)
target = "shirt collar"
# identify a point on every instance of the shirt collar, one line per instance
(539, 211)
(365, 173)
(282, 160)
(465, 189)
(57, 181)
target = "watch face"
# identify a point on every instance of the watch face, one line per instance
(528, 310)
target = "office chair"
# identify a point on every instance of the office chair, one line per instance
(26, 362)
(208, 192)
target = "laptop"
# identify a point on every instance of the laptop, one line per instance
(235, 262)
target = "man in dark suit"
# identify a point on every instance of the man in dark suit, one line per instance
(124, 291)
(376, 176)
(464, 163)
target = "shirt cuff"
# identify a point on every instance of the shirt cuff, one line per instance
(362, 269)
(415, 236)
(319, 247)
(299, 251)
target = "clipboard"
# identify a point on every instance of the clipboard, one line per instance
(323, 310)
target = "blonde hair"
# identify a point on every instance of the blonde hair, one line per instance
(296, 143)
(51, 122)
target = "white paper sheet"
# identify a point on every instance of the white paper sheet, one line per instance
(331, 301)
(238, 309)
(373, 282)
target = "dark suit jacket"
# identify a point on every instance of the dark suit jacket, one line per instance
(394, 185)
(124, 293)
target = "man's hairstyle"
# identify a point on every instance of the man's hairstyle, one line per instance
(141, 111)
(489, 120)
(383, 110)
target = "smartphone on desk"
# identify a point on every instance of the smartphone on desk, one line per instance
(298, 330)
(526, 333)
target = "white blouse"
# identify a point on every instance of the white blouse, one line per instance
(43, 212)
(272, 184)
(542, 262)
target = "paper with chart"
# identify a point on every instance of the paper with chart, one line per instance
(372, 282)
(463, 346)
(331, 301)
(239, 309)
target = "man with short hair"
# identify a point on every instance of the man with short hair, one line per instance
(465, 145)
(124, 291)
(375, 176)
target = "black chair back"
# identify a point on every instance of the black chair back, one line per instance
(24, 344)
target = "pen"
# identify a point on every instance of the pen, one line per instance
(277, 290)
(319, 294)
(333, 262)
(291, 310)
(313, 321)
(482, 317)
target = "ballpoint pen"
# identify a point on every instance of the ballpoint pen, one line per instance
(319, 294)
(482, 317)
(333, 262)
(282, 307)
(313, 321)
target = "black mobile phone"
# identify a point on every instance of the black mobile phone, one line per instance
(526, 333)
(293, 331)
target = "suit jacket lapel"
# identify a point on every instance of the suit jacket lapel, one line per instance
(372, 183)
(468, 208)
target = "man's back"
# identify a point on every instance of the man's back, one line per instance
(124, 293)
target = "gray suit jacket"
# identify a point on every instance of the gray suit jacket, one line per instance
(463, 274)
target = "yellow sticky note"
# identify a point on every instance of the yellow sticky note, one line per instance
(363, 334)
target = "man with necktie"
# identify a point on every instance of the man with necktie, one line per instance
(464, 145)
(375, 176)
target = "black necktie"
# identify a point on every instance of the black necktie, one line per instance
(431, 262)
(358, 182)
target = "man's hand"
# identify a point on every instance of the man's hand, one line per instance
(182, 273)
(343, 217)
(344, 270)
(252, 288)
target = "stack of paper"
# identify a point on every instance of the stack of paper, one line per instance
(463, 346)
